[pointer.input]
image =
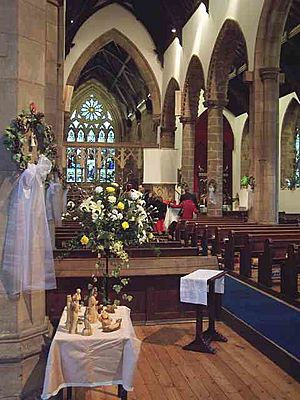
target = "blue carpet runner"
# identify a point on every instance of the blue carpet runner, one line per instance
(272, 318)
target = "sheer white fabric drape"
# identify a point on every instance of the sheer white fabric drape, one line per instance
(28, 257)
(54, 203)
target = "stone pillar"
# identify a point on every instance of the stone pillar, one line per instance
(22, 80)
(215, 155)
(266, 148)
(248, 78)
(188, 150)
(54, 70)
(167, 136)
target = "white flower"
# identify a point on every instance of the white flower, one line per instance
(85, 205)
(112, 199)
(95, 216)
(75, 218)
(134, 194)
(70, 204)
(96, 207)
(99, 189)
(120, 216)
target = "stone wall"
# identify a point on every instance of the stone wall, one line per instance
(22, 80)
(290, 122)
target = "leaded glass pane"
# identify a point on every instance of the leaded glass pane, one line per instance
(91, 136)
(90, 122)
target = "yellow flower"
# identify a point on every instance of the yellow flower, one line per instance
(120, 206)
(110, 189)
(125, 225)
(84, 240)
(150, 235)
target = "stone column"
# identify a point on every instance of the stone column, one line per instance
(54, 70)
(266, 191)
(188, 150)
(167, 135)
(22, 80)
(215, 155)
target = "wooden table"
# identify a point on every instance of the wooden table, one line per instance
(202, 340)
(91, 361)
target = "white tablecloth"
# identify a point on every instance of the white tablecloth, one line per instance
(171, 216)
(194, 287)
(89, 361)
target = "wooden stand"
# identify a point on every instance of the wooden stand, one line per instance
(122, 393)
(202, 340)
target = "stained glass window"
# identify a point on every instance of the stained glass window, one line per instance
(90, 122)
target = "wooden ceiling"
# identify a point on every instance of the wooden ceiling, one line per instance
(158, 16)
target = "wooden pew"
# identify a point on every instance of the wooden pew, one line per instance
(289, 272)
(275, 253)
(254, 247)
(236, 240)
(187, 230)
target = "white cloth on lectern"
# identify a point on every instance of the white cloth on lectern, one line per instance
(28, 257)
(54, 203)
(194, 287)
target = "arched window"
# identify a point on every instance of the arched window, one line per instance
(297, 157)
(90, 122)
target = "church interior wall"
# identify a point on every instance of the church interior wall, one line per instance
(114, 16)
(289, 200)
(142, 131)
(200, 33)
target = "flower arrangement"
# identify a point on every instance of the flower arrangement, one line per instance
(28, 132)
(112, 219)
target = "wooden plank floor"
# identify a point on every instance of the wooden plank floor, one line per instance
(166, 372)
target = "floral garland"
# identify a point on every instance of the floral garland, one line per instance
(15, 137)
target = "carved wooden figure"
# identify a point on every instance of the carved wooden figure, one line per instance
(74, 316)
(87, 330)
(69, 302)
(93, 313)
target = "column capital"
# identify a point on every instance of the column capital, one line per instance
(215, 103)
(187, 120)
(248, 77)
(164, 129)
(269, 73)
(156, 118)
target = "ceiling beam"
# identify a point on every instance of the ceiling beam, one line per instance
(122, 69)
(289, 35)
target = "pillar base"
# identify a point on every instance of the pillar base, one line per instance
(22, 364)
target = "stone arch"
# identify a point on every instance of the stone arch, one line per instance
(270, 31)
(230, 46)
(245, 150)
(132, 50)
(194, 82)
(264, 113)
(168, 114)
(289, 124)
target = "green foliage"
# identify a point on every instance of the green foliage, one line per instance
(15, 136)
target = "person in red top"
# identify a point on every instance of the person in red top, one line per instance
(188, 209)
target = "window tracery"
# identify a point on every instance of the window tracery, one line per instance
(90, 122)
